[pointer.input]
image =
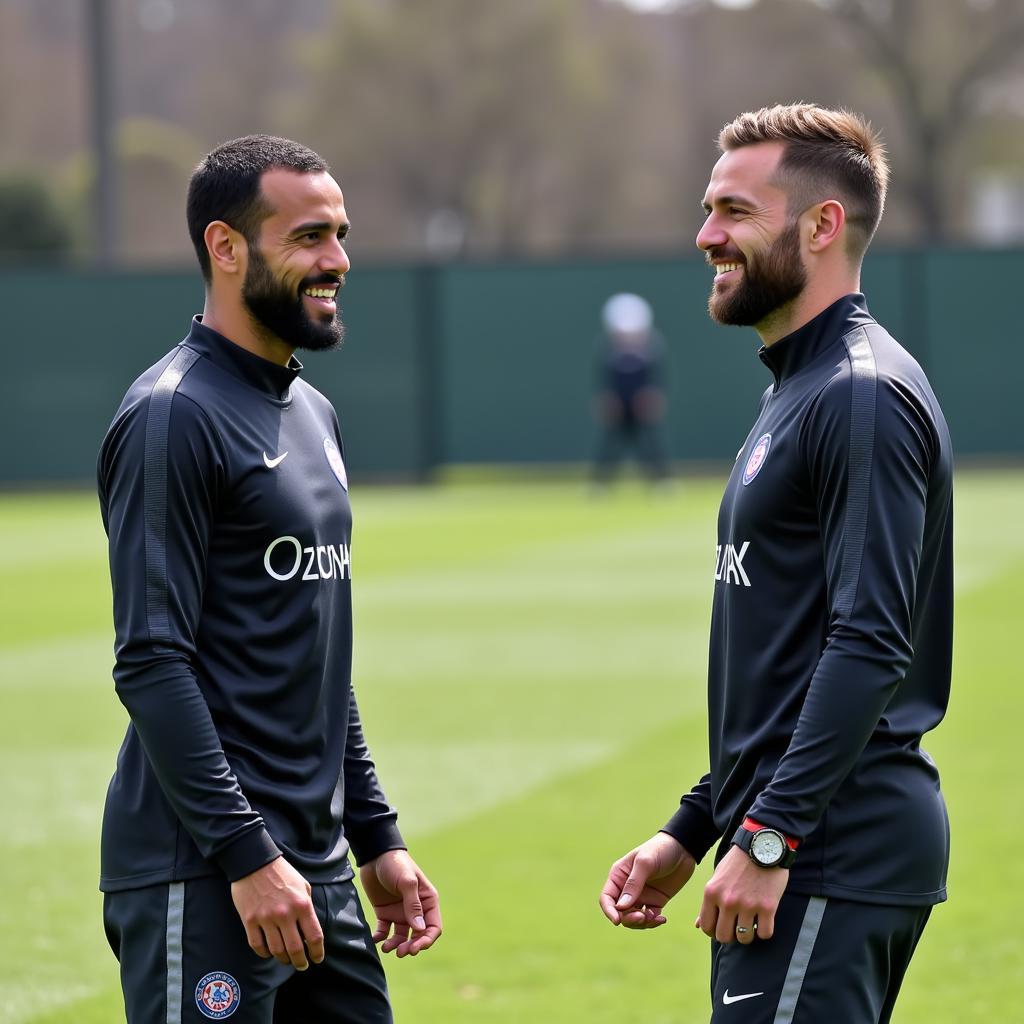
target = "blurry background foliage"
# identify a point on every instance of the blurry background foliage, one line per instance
(488, 129)
(32, 226)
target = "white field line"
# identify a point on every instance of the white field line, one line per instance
(55, 543)
(85, 659)
(465, 778)
(596, 586)
(435, 787)
(38, 996)
(977, 562)
(505, 768)
(53, 793)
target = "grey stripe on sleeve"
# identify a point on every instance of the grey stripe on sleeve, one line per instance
(158, 421)
(801, 958)
(175, 928)
(858, 481)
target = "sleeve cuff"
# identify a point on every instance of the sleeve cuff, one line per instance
(781, 823)
(368, 844)
(695, 830)
(247, 854)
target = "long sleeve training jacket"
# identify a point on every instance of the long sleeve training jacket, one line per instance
(224, 497)
(831, 635)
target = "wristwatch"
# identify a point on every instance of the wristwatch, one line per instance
(766, 847)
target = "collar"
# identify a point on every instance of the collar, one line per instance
(260, 373)
(789, 355)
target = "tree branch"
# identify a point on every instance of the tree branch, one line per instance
(1006, 44)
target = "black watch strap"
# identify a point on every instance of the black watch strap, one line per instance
(744, 838)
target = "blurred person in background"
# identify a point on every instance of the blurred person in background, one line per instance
(244, 780)
(630, 400)
(831, 633)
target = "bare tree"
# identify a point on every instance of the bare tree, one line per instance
(529, 127)
(514, 127)
(937, 58)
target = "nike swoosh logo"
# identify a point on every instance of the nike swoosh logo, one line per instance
(271, 463)
(728, 999)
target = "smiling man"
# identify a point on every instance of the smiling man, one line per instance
(831, 632)
(244, 781)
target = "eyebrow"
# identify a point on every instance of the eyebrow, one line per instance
(319, 225)
(727, 201)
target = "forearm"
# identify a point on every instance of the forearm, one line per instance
(173, 721)
(854, 681)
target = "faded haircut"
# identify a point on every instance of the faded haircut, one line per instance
(226, 186)
(829, 154)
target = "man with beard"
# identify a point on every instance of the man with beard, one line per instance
(831, 629)
(244, 779)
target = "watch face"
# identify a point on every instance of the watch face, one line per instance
(767, 847)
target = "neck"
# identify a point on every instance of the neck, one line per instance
(816, 297)
(234, 322)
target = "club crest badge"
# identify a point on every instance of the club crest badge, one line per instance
(756, 459)
(335, 461)
(218, 995)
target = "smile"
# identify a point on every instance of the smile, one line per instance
(724, 268)
(322, 291)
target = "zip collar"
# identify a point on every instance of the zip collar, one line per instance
(789, 355)
(260, 373)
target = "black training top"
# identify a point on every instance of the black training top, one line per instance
(224, 497)
(831, 633)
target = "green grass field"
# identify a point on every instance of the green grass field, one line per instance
(530, 666)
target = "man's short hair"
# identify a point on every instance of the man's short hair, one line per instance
(226, 186)
(829, 154)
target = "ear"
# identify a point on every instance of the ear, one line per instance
(827, 221)
(227, 247)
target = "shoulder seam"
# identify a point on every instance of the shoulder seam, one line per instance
(158, 418)
(863, 381)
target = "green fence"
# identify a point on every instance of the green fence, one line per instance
(494, 363)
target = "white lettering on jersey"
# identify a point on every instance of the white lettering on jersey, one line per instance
(729, 564)
(323, 561)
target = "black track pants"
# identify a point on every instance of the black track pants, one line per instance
(185, 960)
(830, 960)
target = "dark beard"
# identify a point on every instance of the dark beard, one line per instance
(283, 313)
(773, 280)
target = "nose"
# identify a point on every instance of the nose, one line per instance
(711, 234)
(335, 260)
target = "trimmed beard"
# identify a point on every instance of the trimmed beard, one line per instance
(283, 313)
(768, 282)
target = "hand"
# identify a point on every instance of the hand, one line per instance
(403, 899)
(741, 894)
(276, 908)
(650, 403)
(631, 882)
